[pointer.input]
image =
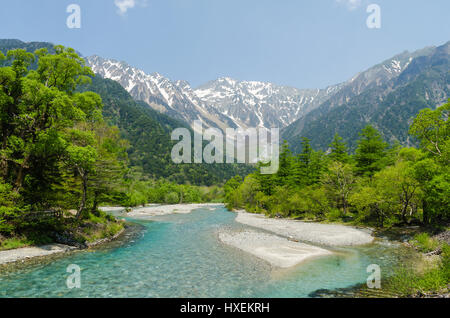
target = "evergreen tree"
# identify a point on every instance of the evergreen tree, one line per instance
(305, 155)
(370, 152)
(285, 164)
(300, 167)
(339, 150)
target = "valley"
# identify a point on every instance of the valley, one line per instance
(79, 133)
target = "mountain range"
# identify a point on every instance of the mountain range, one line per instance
(386, 95)
(222, 103)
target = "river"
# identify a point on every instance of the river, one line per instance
(179, 255)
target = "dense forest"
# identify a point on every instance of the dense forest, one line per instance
(380, 184)
(60, 150)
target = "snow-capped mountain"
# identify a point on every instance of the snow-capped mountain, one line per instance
(226, 102)
(175, 99)
(258, 104)
(221, 103)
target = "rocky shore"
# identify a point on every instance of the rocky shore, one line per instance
(287, 243)
(316, 233)
(27, 253)
(159, 210)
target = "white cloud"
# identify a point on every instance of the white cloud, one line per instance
(124, 5)
(350, 4)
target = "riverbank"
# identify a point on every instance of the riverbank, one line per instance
(27, 253)
(94, 233)
(160, 210)
(286, 243)
(424, 273)
(316, 233)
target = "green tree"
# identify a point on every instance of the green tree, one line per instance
(398, 182)
(82, 155)
(285, 164)
(231, 185)
(339, 150)
(340, 180)
(37, 106)
(432, 128)
(109, 168)
(370, 153)
(301, 166)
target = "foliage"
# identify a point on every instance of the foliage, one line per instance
(140, 192)
(379, 185)
(432, 128)
(339, 150)
(370, 152)
(433, 277)
(425, 243)
(55, 150)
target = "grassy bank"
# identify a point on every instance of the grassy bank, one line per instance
(425, 273)
(429, 276)
(67, 230)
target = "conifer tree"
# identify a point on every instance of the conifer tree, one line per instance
(339, 150)
(370, 152)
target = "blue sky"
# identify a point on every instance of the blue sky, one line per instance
(300, 43)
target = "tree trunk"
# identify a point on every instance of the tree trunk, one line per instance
(344, 204)
(83, 196)
(21, 174)
(19, 179)
(404, 211)
(426, 215)
(95, 204)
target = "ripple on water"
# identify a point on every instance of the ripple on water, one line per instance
(180, 256)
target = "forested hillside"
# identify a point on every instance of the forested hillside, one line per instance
(148, 133)
(146, 130)
(389, 107)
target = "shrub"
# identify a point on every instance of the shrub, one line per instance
(7, 206)
(172, 198)
(425, 243)
(446, 261)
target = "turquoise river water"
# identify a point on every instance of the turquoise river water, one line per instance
(180, 256)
